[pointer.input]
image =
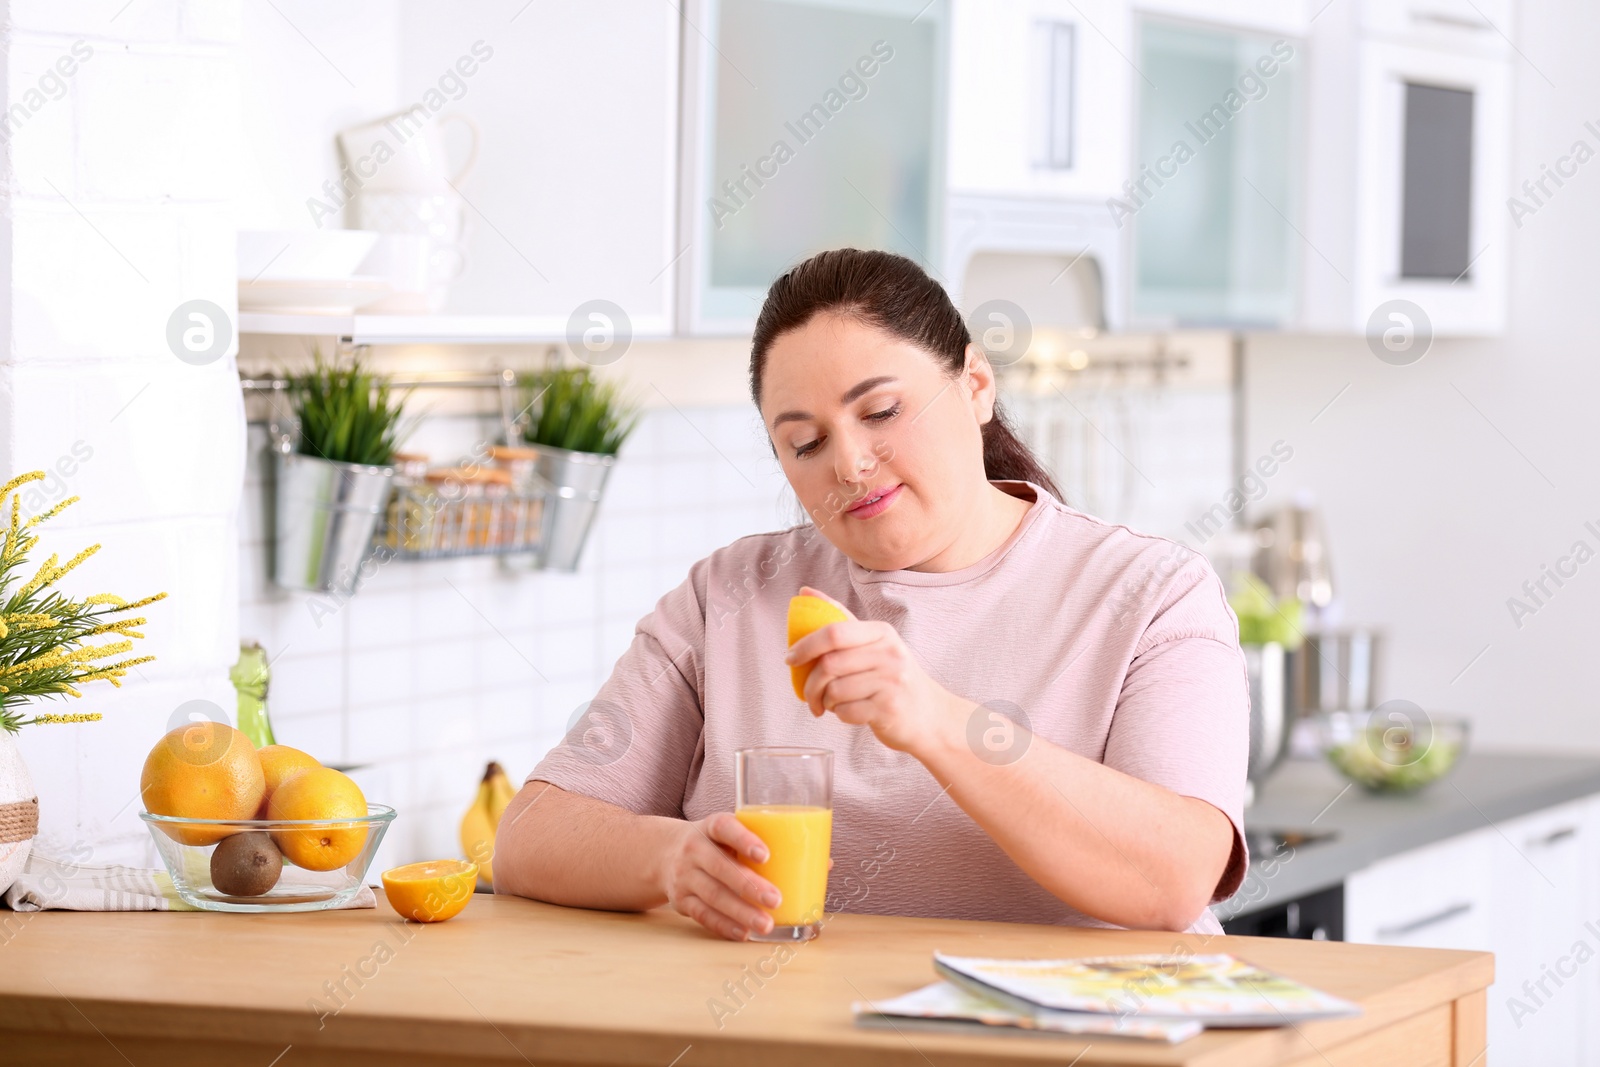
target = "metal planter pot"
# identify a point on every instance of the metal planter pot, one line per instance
(573, 483)
(326, 515)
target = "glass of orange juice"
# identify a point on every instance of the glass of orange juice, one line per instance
(785, 797)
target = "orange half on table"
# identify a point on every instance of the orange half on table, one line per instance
(807, 615)
(432, 891)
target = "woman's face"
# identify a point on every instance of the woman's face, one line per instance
(854, 412)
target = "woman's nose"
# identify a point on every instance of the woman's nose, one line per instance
(855, 462)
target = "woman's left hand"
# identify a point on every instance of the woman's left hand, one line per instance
(864, 673)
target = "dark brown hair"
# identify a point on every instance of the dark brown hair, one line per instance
(893, 294)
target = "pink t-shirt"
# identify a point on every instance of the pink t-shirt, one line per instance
(1115, 644)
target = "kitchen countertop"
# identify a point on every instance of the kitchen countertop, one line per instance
(1483, 788)
(514, 981)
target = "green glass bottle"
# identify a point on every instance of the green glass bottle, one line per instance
(250, 677)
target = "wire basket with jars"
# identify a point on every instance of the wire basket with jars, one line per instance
(477, 509)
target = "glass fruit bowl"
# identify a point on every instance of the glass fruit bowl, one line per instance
(256, 865)
(1395, 748)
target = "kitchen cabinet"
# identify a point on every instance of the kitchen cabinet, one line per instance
(1217, 177)
(1541, 898)
(1437, 896)
(806, 125)
(1409, 172)
(1041, 98)
(1522, 889)
(1284, 17)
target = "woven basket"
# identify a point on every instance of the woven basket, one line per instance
(19, 810)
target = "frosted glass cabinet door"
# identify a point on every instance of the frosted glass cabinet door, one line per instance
(1217, 177)
(809, 125)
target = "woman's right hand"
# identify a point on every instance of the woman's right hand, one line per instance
(702, 878)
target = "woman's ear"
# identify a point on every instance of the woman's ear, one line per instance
(979, 379)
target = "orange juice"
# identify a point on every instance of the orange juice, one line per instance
(798, 839)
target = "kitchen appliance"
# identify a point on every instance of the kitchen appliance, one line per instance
(1292, 558)
(1315, 916)
(1336, 669)
(1269, 712)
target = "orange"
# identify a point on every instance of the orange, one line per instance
(325, 794)
(430, 892)
(808, 614)
(205, 770)
(280, 763)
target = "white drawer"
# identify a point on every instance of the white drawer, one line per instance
(1436, 896)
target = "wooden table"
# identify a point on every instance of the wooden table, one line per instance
(513, 981)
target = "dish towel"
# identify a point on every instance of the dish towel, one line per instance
(48, 883)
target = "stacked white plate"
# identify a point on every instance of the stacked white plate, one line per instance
(307, 272)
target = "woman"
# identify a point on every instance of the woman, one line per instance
(1036, 716)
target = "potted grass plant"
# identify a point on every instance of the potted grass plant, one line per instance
(576, 425)
(50, 644)
(333, 481)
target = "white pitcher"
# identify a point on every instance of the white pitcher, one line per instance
(405, 153)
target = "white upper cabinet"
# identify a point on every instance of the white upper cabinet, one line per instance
(1217, 179)
(1286, 17)
(1406, 226)
(573, 195)
(807, 124)
(1041, 97)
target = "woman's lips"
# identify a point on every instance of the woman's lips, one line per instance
(866, 510)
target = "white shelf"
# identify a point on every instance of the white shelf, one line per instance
(408, 329)
(430, 329)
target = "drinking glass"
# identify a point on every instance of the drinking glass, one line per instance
(785, 797)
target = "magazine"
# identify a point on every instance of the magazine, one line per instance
(1216, 990)
(944, 1005)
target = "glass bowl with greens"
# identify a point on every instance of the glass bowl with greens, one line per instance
(1395, 748)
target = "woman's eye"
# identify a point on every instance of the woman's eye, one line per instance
(885, 415)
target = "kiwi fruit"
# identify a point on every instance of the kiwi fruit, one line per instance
(246, 865)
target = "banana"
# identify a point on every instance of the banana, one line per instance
(501, 791)
(482, 819)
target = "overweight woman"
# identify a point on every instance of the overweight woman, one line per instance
(1036, 716)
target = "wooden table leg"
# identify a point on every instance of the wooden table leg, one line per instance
(1471, 1025)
